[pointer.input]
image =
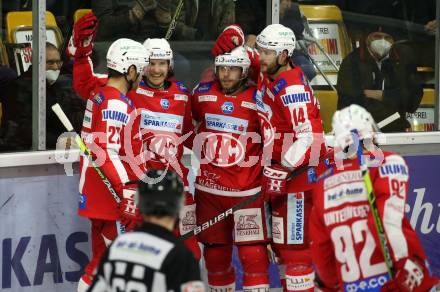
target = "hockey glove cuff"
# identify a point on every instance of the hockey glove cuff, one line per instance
(129, 212)
(231, 37)
(83, 35)
(408, 277)
(274, 180)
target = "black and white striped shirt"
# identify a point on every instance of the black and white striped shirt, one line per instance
(149, 259)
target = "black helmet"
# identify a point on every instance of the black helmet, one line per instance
(160, 193)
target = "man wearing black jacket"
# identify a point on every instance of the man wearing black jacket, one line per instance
(381, 77)
(16, 98)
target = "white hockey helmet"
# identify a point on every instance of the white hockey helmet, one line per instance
(238, 57)
(160, 49)
(353, 117)
(124, 53)
(277, 37)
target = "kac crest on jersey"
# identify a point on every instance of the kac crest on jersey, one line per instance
(227, 107)
(165, 103)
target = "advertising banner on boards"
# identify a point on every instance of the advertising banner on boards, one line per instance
(44, 244)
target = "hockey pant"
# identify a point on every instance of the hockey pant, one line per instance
(187, 222)
(247, 229)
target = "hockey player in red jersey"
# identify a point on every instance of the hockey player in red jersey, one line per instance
(345, 244)
(166, 124)
(105, 133)
(229, 145)
(293, 132)
(164, 109)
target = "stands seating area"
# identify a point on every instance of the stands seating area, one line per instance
(326, 20)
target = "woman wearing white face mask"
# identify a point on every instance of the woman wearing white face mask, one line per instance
(16, 128)
(379, 44)
(53, 63)
(380, 77)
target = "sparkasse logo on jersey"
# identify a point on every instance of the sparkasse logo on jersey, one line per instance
(161, 122)
(226, 124)
(227, 107)
(296, 232)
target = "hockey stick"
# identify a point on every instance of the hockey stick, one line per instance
(85, 150)
(238, 206)
(173, 22)
(372, 201)
(223, 215)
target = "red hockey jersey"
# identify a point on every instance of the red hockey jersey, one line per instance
(345, 246)
(165, 124)
(107, 131)
(85, 82)
(160, 110)
(228, 141)
(291, 121)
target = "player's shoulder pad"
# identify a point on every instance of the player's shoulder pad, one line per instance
(203, 87)
(98, 98)
(393, 165)
(279, 85)
(248, 98)
(257, 96)
(295, 75)
(127, 100)
(303, 78)
(181, 87)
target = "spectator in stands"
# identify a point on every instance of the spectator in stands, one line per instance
(431, 27)
(290, 16)
(136, 19)
(421, 12)
(198, 20)
(16, 130)
(249, 15)
(382, 78)
(214, 16)
(7, 75)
